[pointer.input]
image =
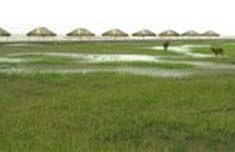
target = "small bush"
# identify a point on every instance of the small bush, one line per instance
(217, 50)
(166, 45)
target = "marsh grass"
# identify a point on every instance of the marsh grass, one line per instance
(90, 47)
(116, 112)
(56, 60)
(52, 61)
(146, 64)
(46, 60)
(110, 112)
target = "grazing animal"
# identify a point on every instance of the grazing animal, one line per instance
(217, 50)
(166, 45)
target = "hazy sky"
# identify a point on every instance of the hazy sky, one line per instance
(19, 16)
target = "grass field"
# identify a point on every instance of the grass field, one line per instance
(116, 111)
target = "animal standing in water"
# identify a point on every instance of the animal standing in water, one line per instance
(166, 45)
(217, 51)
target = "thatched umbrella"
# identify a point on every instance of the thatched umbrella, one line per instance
(144, 33)
(80, 32)
(115, 33)
(169, 33)
(210, 34)
(4, 32)
(191, 33)
(41, 31)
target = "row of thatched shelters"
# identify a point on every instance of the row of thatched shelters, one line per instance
(43, 31)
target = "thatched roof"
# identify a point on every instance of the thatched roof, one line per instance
(80, 32)
(143, 33)
(4, 32)
(41, 31)
(210, 33)
(169, 33)
(191, 33)
(115, 33)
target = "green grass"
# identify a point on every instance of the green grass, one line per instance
(52, 61)
(127, 47)
(229, 49)
(90, 47)
(146, 64)
(112, 112)
(116, 112)
(68, 62)
(58, 60)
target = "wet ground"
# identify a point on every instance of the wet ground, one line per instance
(184, 51)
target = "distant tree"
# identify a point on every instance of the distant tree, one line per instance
(166, 45)
(217, 50)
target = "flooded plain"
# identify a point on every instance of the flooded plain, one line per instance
(81, 58)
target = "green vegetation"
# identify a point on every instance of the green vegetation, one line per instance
(116, 112)
(88, 47)
(52, 61)
(126, 47)
(228, 48)
(34, 60)
(110, 112)
(147, 64)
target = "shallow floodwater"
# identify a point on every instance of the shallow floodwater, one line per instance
(12, 60)
(129, 70)
(97, 58)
